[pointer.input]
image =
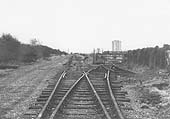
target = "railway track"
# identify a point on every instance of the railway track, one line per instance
(95, 94)
(81, 102)
(50, 97)
(101, 82)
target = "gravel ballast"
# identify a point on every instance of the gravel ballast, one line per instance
(19, 88)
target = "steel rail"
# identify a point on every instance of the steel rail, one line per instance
(65, 96)
(103, 107)
(126, 70)
(113, 97)
(91, 70)
(110, 69)
(49, 99)
(111, 93)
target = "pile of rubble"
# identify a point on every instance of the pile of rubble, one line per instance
(150, 97)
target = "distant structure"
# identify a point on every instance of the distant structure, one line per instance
(116, 45)
(168, 57)
(98, 50)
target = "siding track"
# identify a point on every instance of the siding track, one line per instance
(81, 102)
(100, 80)
(96, 94)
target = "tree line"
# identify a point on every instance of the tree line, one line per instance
(11, 50)
(153, 57)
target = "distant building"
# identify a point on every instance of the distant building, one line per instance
(116, 45)
(98, 50)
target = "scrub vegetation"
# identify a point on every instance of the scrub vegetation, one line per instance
(153, 57)
(11, 50)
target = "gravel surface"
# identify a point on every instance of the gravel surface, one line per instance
(149, 92)
(19, 88)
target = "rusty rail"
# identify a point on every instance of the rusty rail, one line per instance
(113, 97)
(46, 104)
(103, 107)
(65, 96)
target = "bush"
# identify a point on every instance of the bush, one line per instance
(12, 50)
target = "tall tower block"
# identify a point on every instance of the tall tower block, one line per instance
(116, 45)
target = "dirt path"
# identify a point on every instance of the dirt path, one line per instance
(19, 88)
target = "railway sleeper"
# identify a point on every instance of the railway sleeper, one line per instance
(82, 91)
(85, 104)
(101, 89)
(120, 96)
(62, 89)
(83, 116)
(58, 96)
(61, 93)
(42, 100)
(116, 89)
(58, 99)
(68, 81)
(92, 115)
(48, 89)
(29, 116)
(81, 99)
(79, 111)
(35, 107)
(102, 93)
(115, 82)
(82, 102)
(96, 77)
(81, 106)
(100, 85)
(83, 96)
(67, 84)
(105, 100)
(104, 96)
(122, 100)
(44, 96)
(116, 86)
(98, 80)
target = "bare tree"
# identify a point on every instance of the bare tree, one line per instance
(35, 42)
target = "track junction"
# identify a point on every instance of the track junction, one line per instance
(85, 94)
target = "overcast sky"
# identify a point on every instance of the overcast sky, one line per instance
(81, 25)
